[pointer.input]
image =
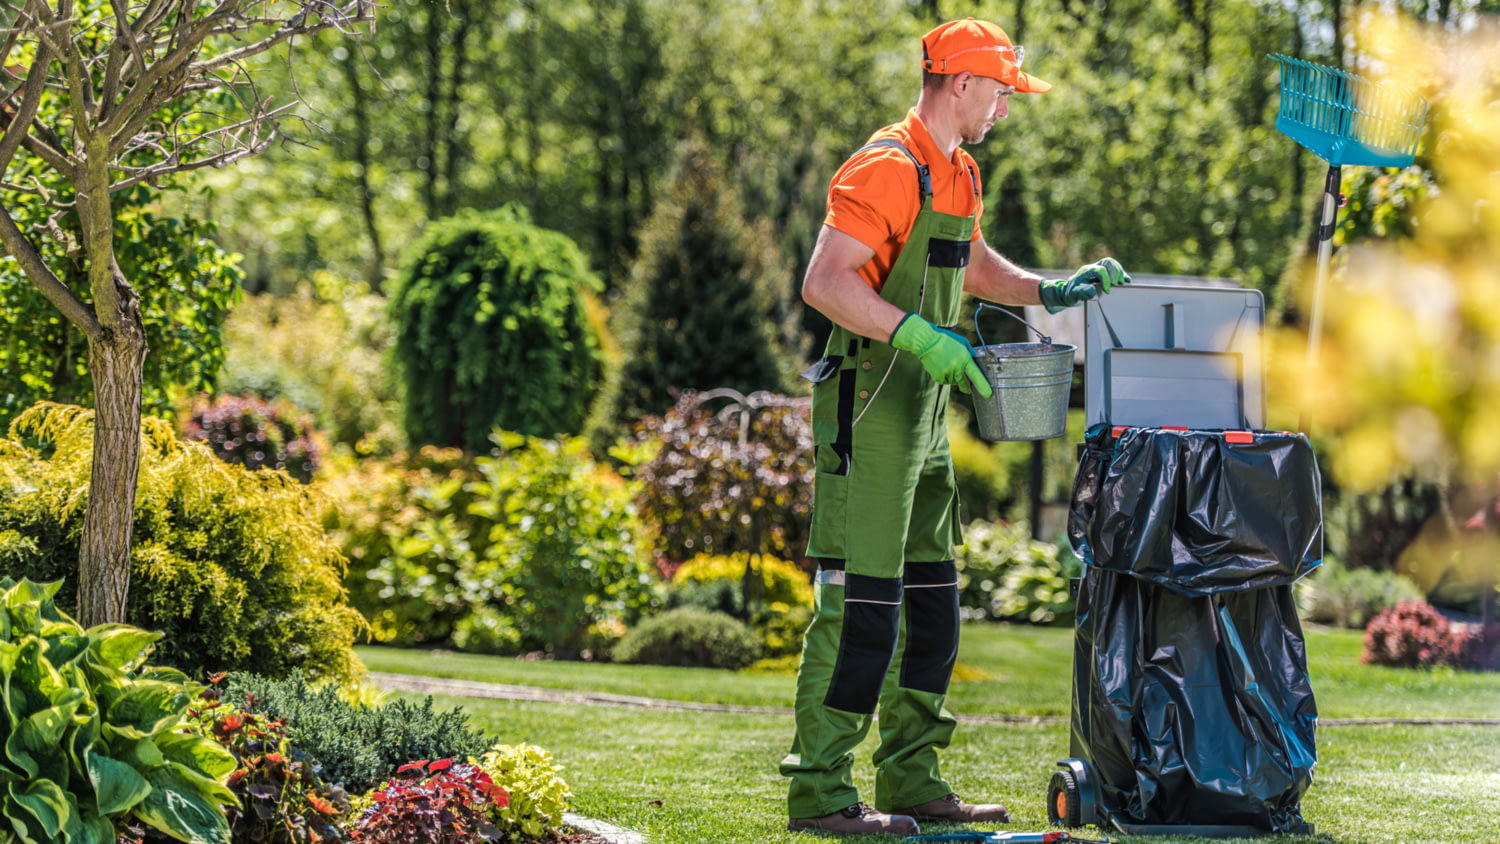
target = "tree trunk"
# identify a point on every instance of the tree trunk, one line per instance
(358, 105)
(117, 360)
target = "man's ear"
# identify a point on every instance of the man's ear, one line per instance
(961, 81)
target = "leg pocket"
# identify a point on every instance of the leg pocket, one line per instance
(830, 505)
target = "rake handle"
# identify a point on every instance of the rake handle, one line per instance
(1320, 280)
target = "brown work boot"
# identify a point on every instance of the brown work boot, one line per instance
(950, 809)
(858, 819)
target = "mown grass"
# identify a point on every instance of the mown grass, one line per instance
(689, 777)
(1012, 670)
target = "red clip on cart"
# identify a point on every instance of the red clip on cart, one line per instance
(1192, 713)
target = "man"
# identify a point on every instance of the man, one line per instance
(900, 244)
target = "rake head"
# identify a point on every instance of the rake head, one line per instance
(1346, 119)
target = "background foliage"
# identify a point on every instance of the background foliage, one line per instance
(707, 303)
(229, 564)
(195, 284)
(256, 434)
(1003, 574)
(325, 349)
(533, 548)
(727, 473)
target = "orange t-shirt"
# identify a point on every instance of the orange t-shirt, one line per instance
(874, 197)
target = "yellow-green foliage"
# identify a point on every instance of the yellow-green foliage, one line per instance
(782, 610)
(538, 795)
(230, 564)
(781, 581)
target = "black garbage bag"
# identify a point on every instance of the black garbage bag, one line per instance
(1191, 696)
(1197, 512)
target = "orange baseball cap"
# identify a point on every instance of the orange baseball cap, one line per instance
(982, 49)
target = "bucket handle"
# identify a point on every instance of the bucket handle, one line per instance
(982, 305)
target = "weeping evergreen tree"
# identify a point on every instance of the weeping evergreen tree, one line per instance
(706, 305)
(492, 331)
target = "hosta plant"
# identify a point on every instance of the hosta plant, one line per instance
(93, 735)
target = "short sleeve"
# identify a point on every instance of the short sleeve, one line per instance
(873, 198)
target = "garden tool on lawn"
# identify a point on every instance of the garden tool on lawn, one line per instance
(1052, 837)
(1344, 119)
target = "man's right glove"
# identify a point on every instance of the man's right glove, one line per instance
(946, 356)
(1091, 280)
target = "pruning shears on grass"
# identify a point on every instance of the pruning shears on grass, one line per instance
(1056, 837)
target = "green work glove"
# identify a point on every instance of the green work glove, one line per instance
(1090, 281)
(946, 356)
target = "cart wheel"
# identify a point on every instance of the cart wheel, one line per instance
(1063, 801)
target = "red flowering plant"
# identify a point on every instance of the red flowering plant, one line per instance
(1412, 635)
(282, 798)
(438, 802)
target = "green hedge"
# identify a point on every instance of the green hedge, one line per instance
(492, 331)
(690, 637)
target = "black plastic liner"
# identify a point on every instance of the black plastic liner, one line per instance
(1195, 513)
(1191, 700)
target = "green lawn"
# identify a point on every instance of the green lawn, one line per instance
(1025, 671)
(689, 777)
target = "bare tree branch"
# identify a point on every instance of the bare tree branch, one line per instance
(30, 104)
(80, 85)
(46, 281)
(125, 46)
(11, 37)
(153, 88)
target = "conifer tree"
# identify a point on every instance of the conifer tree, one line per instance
(706, 304)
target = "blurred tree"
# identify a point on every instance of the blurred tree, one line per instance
(1409, 382)
(706, 305)
(133, 93)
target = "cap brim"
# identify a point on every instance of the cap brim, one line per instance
(1028, 84)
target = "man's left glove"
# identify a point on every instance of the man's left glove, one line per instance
(1091, 280)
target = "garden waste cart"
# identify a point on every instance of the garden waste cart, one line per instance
(1192, 713)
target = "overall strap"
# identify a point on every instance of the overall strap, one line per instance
(924, 176)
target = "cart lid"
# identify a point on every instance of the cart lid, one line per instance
(1164, 355)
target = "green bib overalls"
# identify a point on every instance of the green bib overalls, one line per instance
(885, 521)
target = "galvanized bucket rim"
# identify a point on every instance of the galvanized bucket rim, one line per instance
(1042, 350)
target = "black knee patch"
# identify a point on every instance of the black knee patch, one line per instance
(931, 627)
(872, 619)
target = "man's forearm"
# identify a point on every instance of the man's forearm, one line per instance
(846, 299)
(995, 278)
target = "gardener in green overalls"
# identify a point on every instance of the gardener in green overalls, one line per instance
(900, 244)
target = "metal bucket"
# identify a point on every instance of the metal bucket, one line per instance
(1031, 382)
